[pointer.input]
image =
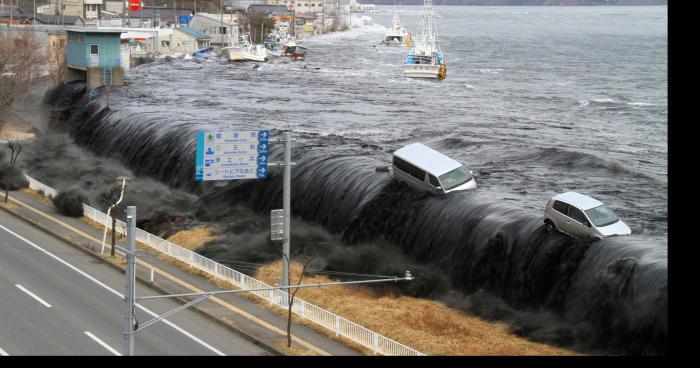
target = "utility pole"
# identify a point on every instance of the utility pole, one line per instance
(130, 284)
(221, 29)
(286, 205)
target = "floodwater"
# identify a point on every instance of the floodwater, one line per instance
(537, 101)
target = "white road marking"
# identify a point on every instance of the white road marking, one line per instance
(104, 344)
(47, 305)
(3, 352)
(121, 296)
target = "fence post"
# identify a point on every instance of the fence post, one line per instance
(337, 325)
(375, 343)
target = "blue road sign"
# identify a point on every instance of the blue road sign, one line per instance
(232, 155)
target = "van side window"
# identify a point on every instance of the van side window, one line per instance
(561, 207)
(577, 215)
(408, 168)
(434, 181)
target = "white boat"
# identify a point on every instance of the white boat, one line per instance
(245, 51)
(396, 34)
(426, 60)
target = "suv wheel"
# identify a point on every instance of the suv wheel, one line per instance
(548, 226)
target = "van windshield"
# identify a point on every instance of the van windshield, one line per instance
(602, 216)
(455, 178)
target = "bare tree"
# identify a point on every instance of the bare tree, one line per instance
(20, 65)
(15, 149)
(291, 293)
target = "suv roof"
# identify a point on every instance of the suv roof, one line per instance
(584, 202)
(427, 159)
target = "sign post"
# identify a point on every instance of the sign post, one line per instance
(244, 154)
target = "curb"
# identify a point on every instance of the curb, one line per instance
(144, 282)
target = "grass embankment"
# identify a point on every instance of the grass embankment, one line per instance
(12, 130)
(427, 326)
(192, 238)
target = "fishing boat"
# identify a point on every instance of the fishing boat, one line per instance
(293, 49)
(396, 34)
(426, 60)
(244, 50)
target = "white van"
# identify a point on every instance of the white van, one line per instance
(425, 169)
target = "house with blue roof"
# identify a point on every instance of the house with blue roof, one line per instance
(185, 40)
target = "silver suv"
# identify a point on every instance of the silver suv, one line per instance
(582, 217)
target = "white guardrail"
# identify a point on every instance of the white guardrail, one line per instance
(339, 325)
(38, 186)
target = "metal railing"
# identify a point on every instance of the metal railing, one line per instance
(338, 325)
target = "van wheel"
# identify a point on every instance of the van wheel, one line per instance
(548, 226)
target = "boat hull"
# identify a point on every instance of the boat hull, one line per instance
(422, 71)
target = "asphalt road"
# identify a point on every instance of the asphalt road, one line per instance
(57, 300)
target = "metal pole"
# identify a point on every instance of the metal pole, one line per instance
(34, 20)
(130, 293)
(286, 205)
(114, 229)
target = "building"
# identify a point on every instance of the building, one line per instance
(219, 30)
(94, 56)
(187, 40)
(10, 15)
(68, 20)
(269, 9)
(361, 8)
(160, 16)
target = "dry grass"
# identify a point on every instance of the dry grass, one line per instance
(192, 239)
(36, 195)
(16, 130)
(427, 326)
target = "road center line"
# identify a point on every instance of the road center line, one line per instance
(3, 352)
(47, 305)
(104, 344)
(98, 282)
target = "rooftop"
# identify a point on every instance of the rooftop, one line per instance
(427, 159)
(193, 32)
(579, 200)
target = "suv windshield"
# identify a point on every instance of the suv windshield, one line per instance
(455, 178)
(602, 216)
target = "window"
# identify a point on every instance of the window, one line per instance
(165, 43)
(577, 215)
(434, 181)
(561, 207)
(602, 216)
(94, 49)
(408, 168)
(75, 37)
(455, 178)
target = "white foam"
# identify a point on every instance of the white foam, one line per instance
(603, 100)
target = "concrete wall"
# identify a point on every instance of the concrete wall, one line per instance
(73, 75)
(95, 77)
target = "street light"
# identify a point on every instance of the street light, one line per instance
(122, 180)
